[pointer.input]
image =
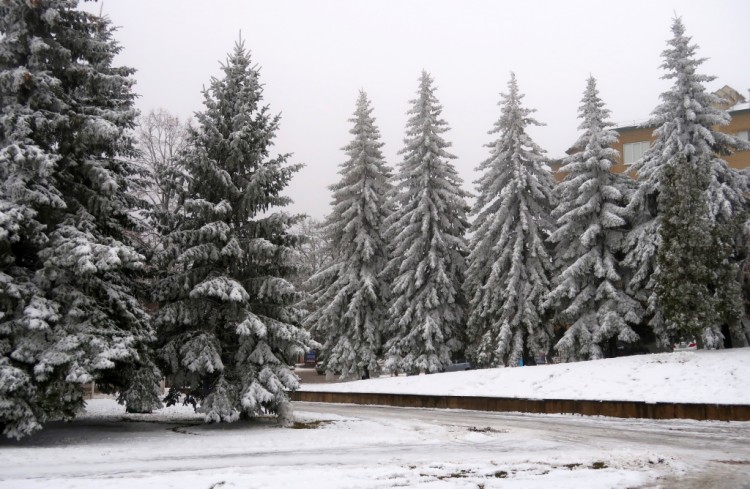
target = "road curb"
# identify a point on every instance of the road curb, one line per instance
(615, 409)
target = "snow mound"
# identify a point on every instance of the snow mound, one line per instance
(714, 377)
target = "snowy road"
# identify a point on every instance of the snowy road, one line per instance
(713, 454)
(339, 446)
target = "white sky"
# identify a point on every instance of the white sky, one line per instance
(316, 54)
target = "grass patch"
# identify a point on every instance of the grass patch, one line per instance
(598, 465)
(501, 474)
(461, 474)
(309, 425)
(486, 429)
(734, 462)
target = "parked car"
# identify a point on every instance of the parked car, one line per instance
(688, 344)
(458, 366)
(625, 349)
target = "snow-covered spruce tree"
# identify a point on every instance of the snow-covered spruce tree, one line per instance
(587, 293)
(349, 298)
(228, 329)
(70, 312)
(688, 283)
(685, 124)
(428, 246)
(509, 266)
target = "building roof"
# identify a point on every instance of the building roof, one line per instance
(735, 102)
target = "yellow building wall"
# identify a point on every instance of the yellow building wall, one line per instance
(630, 135)
(740, 122)
(739, 160)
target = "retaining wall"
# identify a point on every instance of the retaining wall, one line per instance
(616, 409)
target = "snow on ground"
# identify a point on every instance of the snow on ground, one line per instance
(339, 446)
(716, 376)
(107, 448)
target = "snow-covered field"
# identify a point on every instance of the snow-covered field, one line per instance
(340, 446)
(717, 376)
(369, 448)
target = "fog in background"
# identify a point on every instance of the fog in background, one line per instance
(315, 55)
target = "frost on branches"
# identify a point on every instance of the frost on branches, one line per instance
(587, 294)
(228, 328)
(349, 297)
(428, 247)
(685, 122)
(68, 265)
(160, 139)
(509, 266)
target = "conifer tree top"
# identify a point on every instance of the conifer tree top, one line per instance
(425, 124)
(594, 120)
(685, 122)
(513, 147)
(687, 114)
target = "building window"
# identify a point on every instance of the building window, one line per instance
(744, 135)
(632, 152)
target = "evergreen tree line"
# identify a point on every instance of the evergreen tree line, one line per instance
(579, 269)
(123, 263)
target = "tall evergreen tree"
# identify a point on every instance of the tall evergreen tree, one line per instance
(70, 311)
(688, 283)
(428, 252)
(509, 266)
(685, 124)
(227, 324)
(350, 299)
(588, 293)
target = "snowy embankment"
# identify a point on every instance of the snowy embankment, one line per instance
(715, 377)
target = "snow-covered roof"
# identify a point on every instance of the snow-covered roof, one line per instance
(638, 123)
(632, 124)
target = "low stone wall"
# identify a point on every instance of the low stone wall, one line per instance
(616, 409)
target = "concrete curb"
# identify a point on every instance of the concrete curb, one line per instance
(615, 409)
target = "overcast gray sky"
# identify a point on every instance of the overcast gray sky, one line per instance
(316, 54)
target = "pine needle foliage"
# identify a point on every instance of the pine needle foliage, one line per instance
(686, 124)
(690, 282)
(350, 298)
(588, 290)
(228, 326)
(69, 267)
(428, 246)
(509, 264)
